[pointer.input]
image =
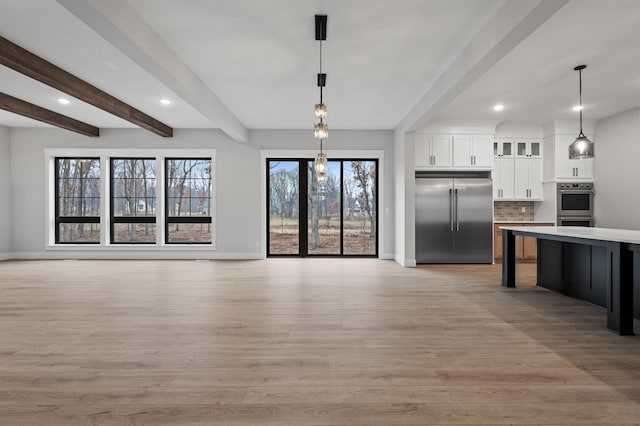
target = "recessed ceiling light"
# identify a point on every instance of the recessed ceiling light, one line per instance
(64, 101)
(498, 107)
(165, 101)
(577, 107)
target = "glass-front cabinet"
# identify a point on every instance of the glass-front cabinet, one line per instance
(528, 148)
(502, 148)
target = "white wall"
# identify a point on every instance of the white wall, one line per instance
(239, 212)
(5, 194)
(617, 171)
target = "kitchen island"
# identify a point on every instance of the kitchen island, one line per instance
(593, 264)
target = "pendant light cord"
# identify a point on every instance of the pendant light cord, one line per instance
(320, 73)
(580, 85)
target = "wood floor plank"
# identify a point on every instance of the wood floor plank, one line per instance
(305, 342)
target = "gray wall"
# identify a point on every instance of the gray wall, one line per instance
(239, 187)
(617, 171)
(5, 194)
(238, 214)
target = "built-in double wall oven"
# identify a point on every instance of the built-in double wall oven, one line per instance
(575, 204)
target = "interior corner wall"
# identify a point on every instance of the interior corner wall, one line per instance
(616, 171)
(404, 181)
(5, 194)
(237, 193)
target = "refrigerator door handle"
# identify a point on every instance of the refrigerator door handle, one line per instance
(451, 207)
(456, 204)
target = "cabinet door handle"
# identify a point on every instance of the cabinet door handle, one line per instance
(577, 172)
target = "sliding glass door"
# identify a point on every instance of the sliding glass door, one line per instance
(341, 213)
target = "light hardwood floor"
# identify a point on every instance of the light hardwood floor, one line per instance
(303, 342)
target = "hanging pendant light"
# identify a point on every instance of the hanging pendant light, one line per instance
(321, 131)
(582, 147)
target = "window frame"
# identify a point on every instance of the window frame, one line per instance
(104, 155)
(113, 220)
(168, 220)
(303, 181)
(58, 219)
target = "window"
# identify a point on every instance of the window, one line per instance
(188, 200)
(163, 198)
(77, 200)
(133, 200)
(336, 218)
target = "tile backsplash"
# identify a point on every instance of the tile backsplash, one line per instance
(512, 210)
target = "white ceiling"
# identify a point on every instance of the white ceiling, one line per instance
(253, 63)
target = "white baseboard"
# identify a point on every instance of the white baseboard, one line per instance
(407, 263)
(6, 256)
(387, 256)
(135, 255)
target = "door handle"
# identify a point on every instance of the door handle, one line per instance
(456, 204)
(451, 209)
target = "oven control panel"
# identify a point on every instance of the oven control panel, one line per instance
(576, 185)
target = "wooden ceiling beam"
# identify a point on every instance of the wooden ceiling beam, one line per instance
(18, 106)
(25, 62)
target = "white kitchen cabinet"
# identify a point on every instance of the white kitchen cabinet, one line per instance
(581, 169)
(502, 148)
(528, 179)
(472, 151)
(432, 151)
(528, 148)
(503, 179)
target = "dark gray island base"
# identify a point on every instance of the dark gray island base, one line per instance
(593, 264)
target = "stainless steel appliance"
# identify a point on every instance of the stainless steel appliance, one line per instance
(454, 214)
(575, 204)
(575, 221)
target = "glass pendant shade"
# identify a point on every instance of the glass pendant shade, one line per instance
(321, 131)
(321, 111)
(582, 147)
(320, 166)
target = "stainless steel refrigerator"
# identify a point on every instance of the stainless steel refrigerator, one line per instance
(454, 217)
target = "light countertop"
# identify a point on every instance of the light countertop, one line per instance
(602, 234)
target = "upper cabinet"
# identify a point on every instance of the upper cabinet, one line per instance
(432, 151)
(528, 148)
(581, 169)
(453, 151)
(517, 173)
(472, 151)
(502, 148)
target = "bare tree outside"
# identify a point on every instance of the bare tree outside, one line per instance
(361, 218)
(78, 200)
(284, 193)
(133, 200)
(341, 212)
(189, 200)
